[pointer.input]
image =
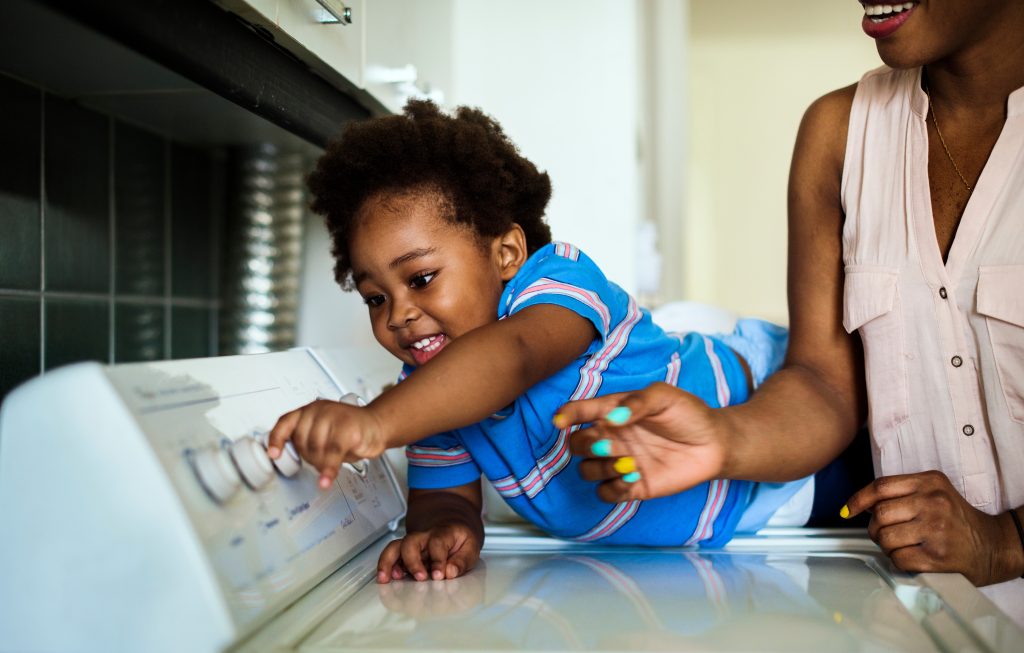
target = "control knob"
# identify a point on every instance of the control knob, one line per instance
(288, 463)
(216, 473)
(252, 461)
(360, 467)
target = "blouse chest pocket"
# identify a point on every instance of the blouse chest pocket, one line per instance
(871, 306)
(1001, 301)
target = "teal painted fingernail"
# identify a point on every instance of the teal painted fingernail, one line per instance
(631, 477)
(602, 448)
(619, 415)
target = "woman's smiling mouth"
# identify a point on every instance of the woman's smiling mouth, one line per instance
(881, 20)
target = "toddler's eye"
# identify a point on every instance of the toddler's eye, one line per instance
(374, 301)
(421, 280)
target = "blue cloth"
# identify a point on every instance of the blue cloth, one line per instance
(762, 344)
(527, 459)
(765, 500)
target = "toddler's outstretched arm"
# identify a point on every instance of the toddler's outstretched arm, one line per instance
(475, 376)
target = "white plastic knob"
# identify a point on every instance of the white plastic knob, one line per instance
(361, 466)
(253, 462)
(288, 463)
(216, 473)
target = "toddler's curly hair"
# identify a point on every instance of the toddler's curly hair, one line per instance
(483, 180)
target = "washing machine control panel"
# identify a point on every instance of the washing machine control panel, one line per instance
(267, 528)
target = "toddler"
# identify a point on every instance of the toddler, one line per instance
(437, 222)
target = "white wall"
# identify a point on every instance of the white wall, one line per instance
(328, 316)
(710, 93)
(561, 79)
(755, 66)
(663, 78)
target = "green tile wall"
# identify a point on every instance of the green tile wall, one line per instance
(76, 330)
(110, 237)
(19, 184)
(76, 166)
(19, 333)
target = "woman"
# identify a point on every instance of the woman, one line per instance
(907, 226)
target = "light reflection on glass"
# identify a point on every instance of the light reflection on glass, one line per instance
(625, 600)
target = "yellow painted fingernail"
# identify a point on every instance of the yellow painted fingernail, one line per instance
(625, 465)
(559, 421)
(837, 617)
(845, 512)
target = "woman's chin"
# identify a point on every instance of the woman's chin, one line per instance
(900, 58)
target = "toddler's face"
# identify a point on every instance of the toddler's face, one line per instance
(425, 280)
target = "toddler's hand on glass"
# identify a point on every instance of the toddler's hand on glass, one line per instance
(650, 443)
(444, 552)
(328, 433)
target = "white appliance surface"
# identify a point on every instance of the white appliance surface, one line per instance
(146, 514)
(782, 590)
(141, 514)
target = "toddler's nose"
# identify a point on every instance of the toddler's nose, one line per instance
(403, 313)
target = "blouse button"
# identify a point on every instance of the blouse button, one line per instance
(956, 361)
(968, 430)
(942, 292)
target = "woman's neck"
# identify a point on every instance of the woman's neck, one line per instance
(982, 75)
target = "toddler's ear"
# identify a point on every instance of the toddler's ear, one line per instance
(510, 250)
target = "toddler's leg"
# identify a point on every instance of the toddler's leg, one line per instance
(762, 344)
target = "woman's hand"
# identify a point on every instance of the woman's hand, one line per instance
(923, 524)
(668, 441)
(444, 552)
(328, 433)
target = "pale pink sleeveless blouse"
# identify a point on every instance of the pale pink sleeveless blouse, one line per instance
(943, 343)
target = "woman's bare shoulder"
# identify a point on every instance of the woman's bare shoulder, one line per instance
(835, 104)
(827, 119)
(823, 129)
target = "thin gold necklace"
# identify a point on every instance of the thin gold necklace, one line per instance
(935, 120)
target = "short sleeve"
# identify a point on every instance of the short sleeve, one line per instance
(564, 276)
(440, 461)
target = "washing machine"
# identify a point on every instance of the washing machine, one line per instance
(140, 512)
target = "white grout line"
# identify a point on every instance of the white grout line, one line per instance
(135, 300)
(168, 246)
(112, 227)
(42, 231)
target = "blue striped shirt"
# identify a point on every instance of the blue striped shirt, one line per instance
(527, 459)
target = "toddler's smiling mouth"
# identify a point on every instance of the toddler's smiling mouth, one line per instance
(425, 348)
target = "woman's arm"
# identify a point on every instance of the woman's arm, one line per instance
(803, 416)
(807, 413)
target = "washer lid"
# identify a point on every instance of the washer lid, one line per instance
(586, 597)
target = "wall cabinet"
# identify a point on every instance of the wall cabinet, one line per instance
(408, 50)
(389, 51)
